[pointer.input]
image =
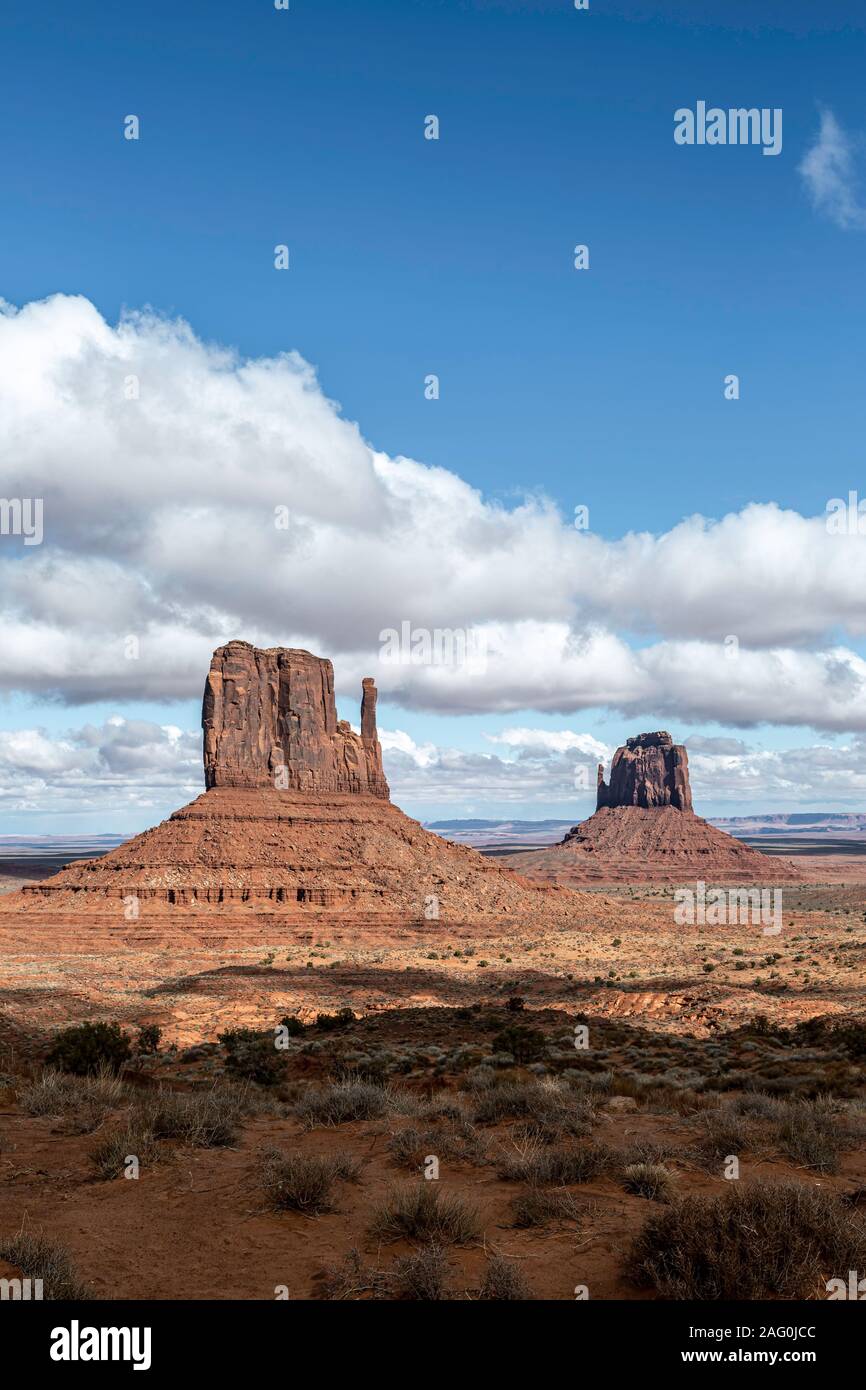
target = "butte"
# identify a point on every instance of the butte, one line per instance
(645, 830)
(295, 827)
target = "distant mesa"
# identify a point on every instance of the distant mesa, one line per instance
(296, 820)
(651, 770)
(645, 830)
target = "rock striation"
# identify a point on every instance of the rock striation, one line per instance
(651, 770)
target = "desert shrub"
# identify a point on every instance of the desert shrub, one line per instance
(81, 1101)
(723, 1131)
(110, 1153)
(551, 1167)
(421, 1275)
(304, 1182)
(650, 1180)
(515, 1004)
(252, 1056)
(459, 1141)
(147, 1042)
(809, 1133)
(352, 1279)
(40, 1258)
(333, 1023)
(757, 1104)
(644, 1151)
(524, 1044)
(538, 1206)
(553, 1112)
(426, 1213)
(755, 1242)
(87, 1048)
(503, 1281)
(203, 1119)
(341, 1102)
(439, 1107)
(293, 1025)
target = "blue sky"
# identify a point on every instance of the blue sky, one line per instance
(409, 257)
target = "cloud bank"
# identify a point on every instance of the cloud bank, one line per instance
(137, 770)
(168, 466)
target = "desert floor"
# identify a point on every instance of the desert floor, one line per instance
(698, 1048)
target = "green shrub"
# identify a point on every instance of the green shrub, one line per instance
(147, 1043)
(293, 1025)
(85, 1048)
(252, 1056)
(524, 1044)
(332, 1023)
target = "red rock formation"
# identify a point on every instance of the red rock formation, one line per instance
(296, 820)
(644, 830)
(651, 770)
(270, 720)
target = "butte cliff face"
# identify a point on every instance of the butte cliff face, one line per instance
(270, 720)
(645, 830)
(651, 770)
(296, 822)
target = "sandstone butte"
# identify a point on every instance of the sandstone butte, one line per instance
(295, 824)
(645, 830)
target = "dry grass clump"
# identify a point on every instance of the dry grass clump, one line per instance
(556, 1167)
(724, 1131)
(652, 1180)
(811, 1134)
(40, 1258)
(305, 1182)
(539, 1206)
(503, 1281)
(345, 1100)
(82, 1102)
(203, 1119)
(425, 1213)
(552, 1111)
(419, 1276)
(460, 1142)
(755, 1242)
(111, 1153)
